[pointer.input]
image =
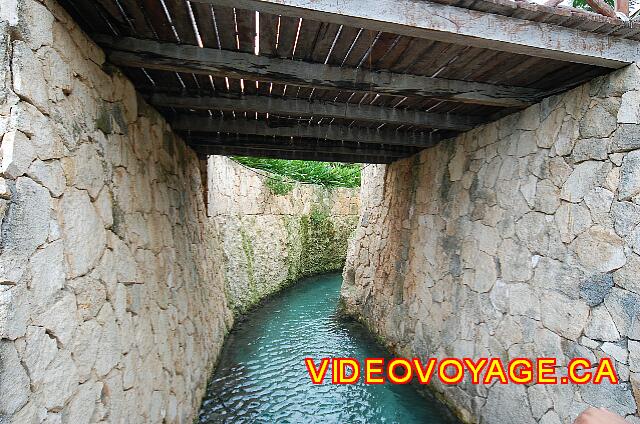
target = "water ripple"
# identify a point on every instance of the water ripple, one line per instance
(261, 377)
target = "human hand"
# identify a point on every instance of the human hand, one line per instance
(599, 416)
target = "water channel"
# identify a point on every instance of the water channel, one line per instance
(261, 376)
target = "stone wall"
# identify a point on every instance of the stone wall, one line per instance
(520, 238)
(112, 308)
(271, 240)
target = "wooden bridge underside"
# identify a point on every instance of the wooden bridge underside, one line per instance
(347, 80)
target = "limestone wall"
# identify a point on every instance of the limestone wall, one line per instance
(112, 308)
(271, 240)
(520, 238)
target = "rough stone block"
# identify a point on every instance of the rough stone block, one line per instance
(627, 277)
(563, 316)
(584, 177)
(590, 149)
(61, 381)
(571, 220)
(630, 176)
(547, 198)
(551, 417)
(40, 350)
(629, 112)
(595, 288)
(598, 122)
(46, 268)
(634, 356)
(600, 249)
(617, 351)
(27, 221)
(57, 73)
(502, 395)
(36, 23)
(28, 77)
(624, 307)
(617, 398)
(48, 174)
(14, 381)
(15, 312)
(60, 318)
(85, 348)
(16, 153)
(84, 233)
(39, 128)
(83, 404)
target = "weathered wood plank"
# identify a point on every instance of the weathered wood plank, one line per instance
(329, 132)
(182, 58)
(267, 152)
(181, 21)
(298, 144)
(295, 107)
(423, 19)
(314, 150)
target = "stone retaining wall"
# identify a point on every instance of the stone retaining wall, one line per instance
(273, 238)
(520, 238)
(112, 305)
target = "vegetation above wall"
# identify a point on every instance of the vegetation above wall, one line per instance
(329, 174)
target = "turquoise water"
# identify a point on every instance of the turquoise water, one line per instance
(261, 377)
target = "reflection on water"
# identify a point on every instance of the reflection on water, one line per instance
(261, 377)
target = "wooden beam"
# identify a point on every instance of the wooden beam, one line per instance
(148, 54)
(329, 132)
(450, 24)
(298, 107)
(298, 144)
(290, 155)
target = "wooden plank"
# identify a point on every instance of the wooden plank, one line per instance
(328, 151)
(298, 144)
(309, 32)
(292, 149)
(181, 21)
(359, 48)
(226, 27)
(246, 21)
(268, 28)
(386, 42)
(182, 58)
(291, 155)
(88, 14)
(340, 48)
(293, 107)
(113, 14)
(203, 14)
(329, 132)
(287, 36)
(153, 23)
(423, 19)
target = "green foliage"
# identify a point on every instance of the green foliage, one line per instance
(318, 216)
(278, 185)
(582, 4)
(329, 174)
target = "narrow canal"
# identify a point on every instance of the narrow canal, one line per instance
(261, 377)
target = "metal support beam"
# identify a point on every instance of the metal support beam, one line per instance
(191, 59)
(298, 107)
(450, 24)
(329, 132)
